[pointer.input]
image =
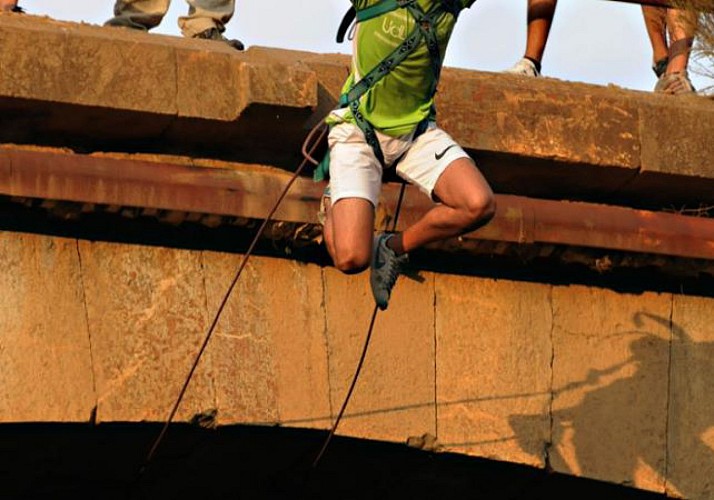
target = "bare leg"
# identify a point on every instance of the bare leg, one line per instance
(7, 5)
(656, 24)
(540, 18)
(467, 203)
(348, 231)
(682, 26)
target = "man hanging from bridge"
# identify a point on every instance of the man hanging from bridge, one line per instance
(386, 119)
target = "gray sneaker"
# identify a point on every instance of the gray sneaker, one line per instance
(385, 269)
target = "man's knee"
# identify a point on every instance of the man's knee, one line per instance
(351, 261)
(478, 210)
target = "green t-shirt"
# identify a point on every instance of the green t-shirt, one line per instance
(400, 100)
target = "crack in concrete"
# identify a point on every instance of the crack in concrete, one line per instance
(326, 339)
(212, 376)
(549, 443)
(670, 369)
(94, 411)
(436, 358)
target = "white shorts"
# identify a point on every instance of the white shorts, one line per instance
(355, 171)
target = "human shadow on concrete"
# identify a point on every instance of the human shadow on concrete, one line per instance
(636, 425)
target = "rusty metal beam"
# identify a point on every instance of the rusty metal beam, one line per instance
(700, 5)
(653, 3)
(249, 191)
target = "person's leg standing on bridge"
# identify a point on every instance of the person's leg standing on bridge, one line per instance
(206, 19)
(671, 33)
(540, 19)
(9, 6)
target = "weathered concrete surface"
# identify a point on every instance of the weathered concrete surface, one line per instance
(69, 84)
(124, 70)
(588, 381)
(114, 85)
(494, 351)
(268, 354)
(146, 310)
(610, 390)
(541, 118)
(45, 352)
(690, 455)
(677, 140)
(394, 397)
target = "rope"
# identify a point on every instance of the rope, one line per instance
(362, 357)
(307, 158)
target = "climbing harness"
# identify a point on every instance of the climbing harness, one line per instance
(424, 31)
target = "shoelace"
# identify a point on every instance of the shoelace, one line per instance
(394, 265)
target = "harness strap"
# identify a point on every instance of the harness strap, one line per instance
(382, 8)
(382, 69)
(426, 23)
(345, 24)
(424, 30)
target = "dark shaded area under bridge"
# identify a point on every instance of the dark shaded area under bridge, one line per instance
(249, 462)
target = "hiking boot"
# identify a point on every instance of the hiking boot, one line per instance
(524, 67)
(385, 269)
(215, 34)
(675, 83)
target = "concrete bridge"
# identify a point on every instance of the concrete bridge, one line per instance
(573, 335)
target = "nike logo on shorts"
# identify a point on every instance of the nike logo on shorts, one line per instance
(439, 156)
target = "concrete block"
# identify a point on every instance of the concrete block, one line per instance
(269, 350)
(677, 136)
(394, 396)
(146, 308)
(690, 452)
(209, 85)
(549, 119)
(610, 372)
(30, 50)
(45, 352)
(494, 352)
(103, 70)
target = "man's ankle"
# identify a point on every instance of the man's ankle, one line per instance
(535, 61)
(396, 244)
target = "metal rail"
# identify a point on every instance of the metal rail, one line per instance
(249, 191)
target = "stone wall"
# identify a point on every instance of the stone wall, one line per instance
(586, 380)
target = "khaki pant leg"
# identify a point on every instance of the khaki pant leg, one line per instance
(206, 14)
(139, 14)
